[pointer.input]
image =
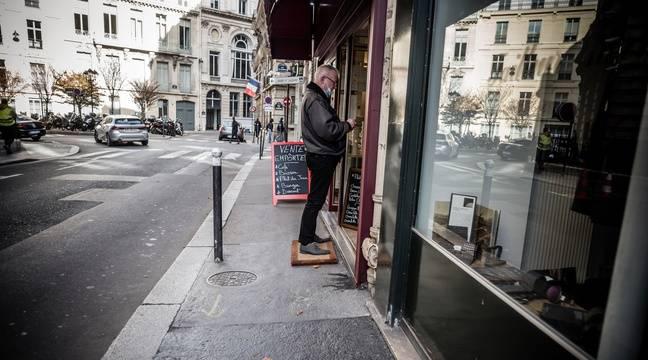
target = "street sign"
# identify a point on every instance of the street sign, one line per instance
(286, 80)
(282, 68)
(286, 101)
(278, 106)
(252, 108)
(267, 100)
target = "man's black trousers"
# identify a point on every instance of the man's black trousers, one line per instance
(322, 168)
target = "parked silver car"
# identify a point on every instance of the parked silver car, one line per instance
(446, 145)
(121, 129)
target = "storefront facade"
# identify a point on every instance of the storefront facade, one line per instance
(484, 255)
(490, 251)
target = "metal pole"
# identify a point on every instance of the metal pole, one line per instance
(218, 204)
(488, 180)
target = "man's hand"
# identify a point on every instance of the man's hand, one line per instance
(351, 123)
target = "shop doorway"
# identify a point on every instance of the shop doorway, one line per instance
(185, 113)
(213, 110)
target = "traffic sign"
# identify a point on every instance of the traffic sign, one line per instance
(252, 108)
(286, 80)
(286, 101)
(267, 100)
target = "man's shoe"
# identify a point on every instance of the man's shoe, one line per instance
(312, 249)
(320, 240)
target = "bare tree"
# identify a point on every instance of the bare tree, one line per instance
(11, 84)
(522, 113)
(43, 83)
(459, 111)
(111, 72)
(491, 103)
(145, 94)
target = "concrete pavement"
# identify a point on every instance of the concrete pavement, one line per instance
(277, 312)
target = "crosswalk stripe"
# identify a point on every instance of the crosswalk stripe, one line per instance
(174, 155)
(201, 156)
(90, 154)
(102, 177)
(85, 163)
(231, 156)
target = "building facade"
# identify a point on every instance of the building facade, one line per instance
(167, 41)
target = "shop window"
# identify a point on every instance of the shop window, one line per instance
(529, 218)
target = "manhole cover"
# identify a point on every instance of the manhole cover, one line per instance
(232, 278)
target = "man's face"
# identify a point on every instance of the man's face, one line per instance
(331, 79)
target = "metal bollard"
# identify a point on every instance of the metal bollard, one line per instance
(218, 203)
(488, 180)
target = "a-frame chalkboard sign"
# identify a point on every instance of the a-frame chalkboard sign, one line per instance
(290, 175)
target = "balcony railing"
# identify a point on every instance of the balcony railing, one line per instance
(214, 78)
(500, 39)
(496, 75)
(110, 36)
(35, 44)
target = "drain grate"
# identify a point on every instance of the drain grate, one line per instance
(232, 278)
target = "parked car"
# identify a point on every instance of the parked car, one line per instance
(121, 129)
(446, 145)
(225, 132)
(30, 128)
(516, 149)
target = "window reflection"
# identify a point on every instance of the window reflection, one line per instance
(523, 134)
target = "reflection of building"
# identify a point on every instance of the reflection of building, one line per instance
(268, 68)
(173, 43)
(516, 58)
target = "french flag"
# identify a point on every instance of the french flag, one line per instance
(252, 87)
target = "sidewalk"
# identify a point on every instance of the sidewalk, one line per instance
(264, 308)
(33, 151)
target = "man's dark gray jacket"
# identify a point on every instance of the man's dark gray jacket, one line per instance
(322, 131)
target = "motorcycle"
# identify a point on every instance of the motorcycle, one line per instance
(179, 129)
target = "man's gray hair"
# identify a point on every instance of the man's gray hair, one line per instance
(322, 69)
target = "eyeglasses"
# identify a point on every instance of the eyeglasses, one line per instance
(334, 81)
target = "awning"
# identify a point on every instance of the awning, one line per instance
(293, 24)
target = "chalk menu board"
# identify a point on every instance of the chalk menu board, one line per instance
(351, 213)
(290, 177)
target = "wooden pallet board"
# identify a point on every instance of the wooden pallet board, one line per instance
(299, 259)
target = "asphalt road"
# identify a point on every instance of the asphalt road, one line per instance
(84, 239)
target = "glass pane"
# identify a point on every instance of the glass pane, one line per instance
(529, 189)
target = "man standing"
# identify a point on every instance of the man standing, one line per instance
(257, 129)
(280, 131)
(324, 136)
(235, 131)
(544, 146)
(269, 128)
(7, 124)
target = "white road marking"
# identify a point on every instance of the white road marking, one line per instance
(90, 154)
(231, 156)
(174, 155)
(201, 156)
(94, 177)
(86, 163)
(9, 176)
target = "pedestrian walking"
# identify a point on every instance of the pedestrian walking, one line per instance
(257, 129)
(269, 128)
(324, 136)
(280, 131)
(235, 131)
(7, 124)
